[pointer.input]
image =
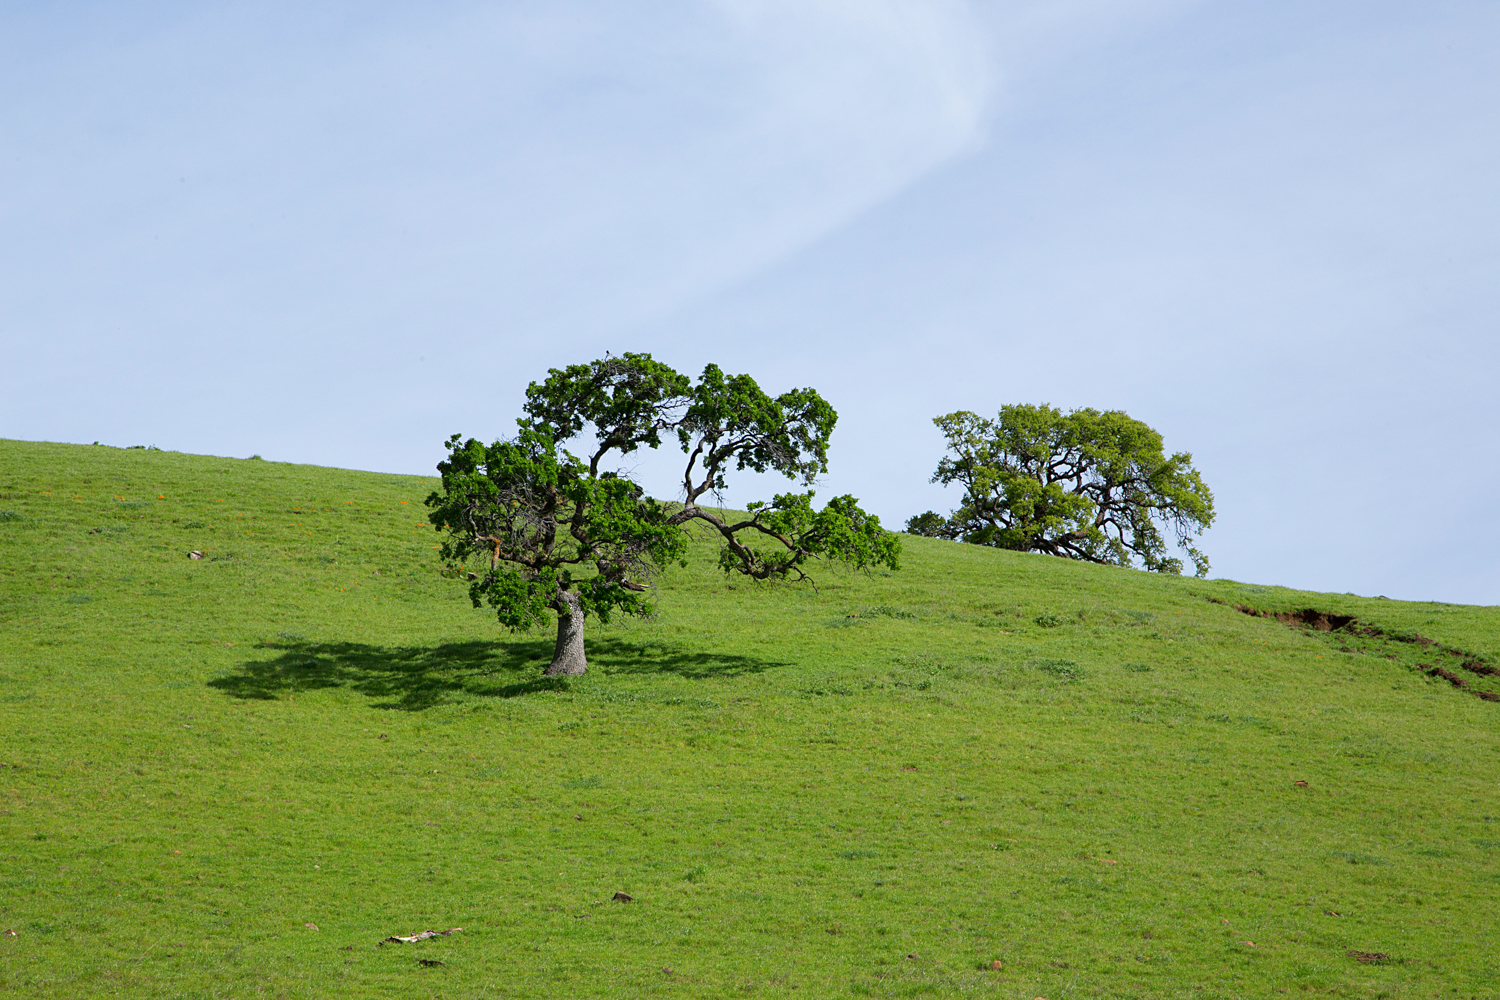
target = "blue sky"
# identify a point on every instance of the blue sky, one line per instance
(337, 233)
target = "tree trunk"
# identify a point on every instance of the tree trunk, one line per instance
(567, 657)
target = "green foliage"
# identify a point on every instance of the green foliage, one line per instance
(1083, 485)
(929, 524)
(629, 401)
(730, 422)
(839, 531)
(729, 419)
(547, 527)
(566, 535)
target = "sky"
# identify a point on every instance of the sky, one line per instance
(337, 233)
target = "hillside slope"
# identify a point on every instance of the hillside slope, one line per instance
(236, 775)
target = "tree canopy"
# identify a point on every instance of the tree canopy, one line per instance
(1082, 485)
(563, 533)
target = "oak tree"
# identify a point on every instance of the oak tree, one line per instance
(1083, 485)
(564, 534)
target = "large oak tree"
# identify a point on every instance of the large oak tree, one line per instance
(1084, 485)
(564, 534)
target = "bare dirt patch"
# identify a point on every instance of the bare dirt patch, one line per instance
(1323, 621)
(1459, 682)
(1318, 621)
(1482, 669)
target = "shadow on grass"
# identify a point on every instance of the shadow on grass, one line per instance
(413, 678)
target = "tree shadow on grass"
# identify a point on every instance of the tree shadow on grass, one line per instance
(413, 678)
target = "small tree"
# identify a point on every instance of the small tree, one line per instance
(563, 534)
(1083, 485)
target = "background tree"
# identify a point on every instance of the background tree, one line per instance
(1084, 485)
(563, 534)
(929, 523)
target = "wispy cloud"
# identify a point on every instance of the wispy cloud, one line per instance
(740, 140)
(635, 155)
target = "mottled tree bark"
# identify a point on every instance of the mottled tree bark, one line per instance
(567, 657)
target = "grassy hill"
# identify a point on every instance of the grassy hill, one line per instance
(234, 776)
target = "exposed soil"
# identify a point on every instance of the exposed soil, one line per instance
(1446, 675)
(1458, 682)
(1323, 621)
(1319, 621)
(1482, 669)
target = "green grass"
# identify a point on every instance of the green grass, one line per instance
(875, 789)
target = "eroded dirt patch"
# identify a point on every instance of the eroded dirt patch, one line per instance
(1347, 625)
(1458, 682)
(1482, 669)
(1320, 621)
